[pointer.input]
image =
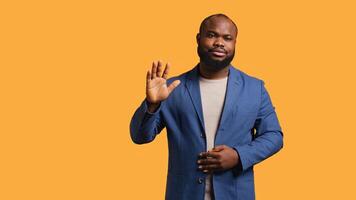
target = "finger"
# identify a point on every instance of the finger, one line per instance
(159, 69)
(212, 154)
(211, 167)
(202, 155)
(219, 148)
(208, 171)
(208, 161)
(148, 76)
(173, 85)
(166, 71)
(154, 70)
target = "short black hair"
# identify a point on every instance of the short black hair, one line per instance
(216, 15)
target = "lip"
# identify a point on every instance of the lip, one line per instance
(218, 52)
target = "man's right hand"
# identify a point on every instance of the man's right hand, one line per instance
(156, 85)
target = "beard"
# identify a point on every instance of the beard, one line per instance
(214, 65)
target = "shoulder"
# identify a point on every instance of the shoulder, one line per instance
(244, 78)
(237, 74)
(182, 77)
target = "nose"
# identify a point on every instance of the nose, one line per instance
(218, 42)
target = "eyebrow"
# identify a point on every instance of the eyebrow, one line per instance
(210, 31)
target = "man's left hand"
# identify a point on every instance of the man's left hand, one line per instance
(219, 158)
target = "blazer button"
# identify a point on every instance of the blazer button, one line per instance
(202, 135)
(200, 180)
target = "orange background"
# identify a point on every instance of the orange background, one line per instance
(73, 72)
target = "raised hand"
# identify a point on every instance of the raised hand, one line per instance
(156, 84)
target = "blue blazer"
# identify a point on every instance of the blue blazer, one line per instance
(248, 124)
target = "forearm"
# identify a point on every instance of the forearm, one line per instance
(259, 149)
(268, 139)
(152, 107)
(145, 125)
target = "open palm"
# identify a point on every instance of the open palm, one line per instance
(156, 83)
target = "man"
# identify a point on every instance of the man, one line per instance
(220, 122)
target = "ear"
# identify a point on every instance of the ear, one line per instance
(198, 38)
(236, 39)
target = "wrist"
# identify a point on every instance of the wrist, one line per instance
(152, 107)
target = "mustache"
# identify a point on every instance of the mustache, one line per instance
(219, 49)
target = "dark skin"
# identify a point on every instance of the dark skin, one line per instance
(217, 38)
(218, 33)
(156, 85)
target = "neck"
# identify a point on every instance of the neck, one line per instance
(208, 72)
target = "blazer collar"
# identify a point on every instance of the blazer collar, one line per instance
(234, 86)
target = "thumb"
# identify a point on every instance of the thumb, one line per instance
(173, 85)
(218, 148)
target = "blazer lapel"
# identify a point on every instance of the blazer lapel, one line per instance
(233, 91)
(192, 85)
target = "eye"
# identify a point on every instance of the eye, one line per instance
(228, 38)
(210, 35)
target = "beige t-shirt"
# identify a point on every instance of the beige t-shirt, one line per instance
(212, 96)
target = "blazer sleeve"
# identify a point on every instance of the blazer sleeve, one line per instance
(268, 138)
(144, 125)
